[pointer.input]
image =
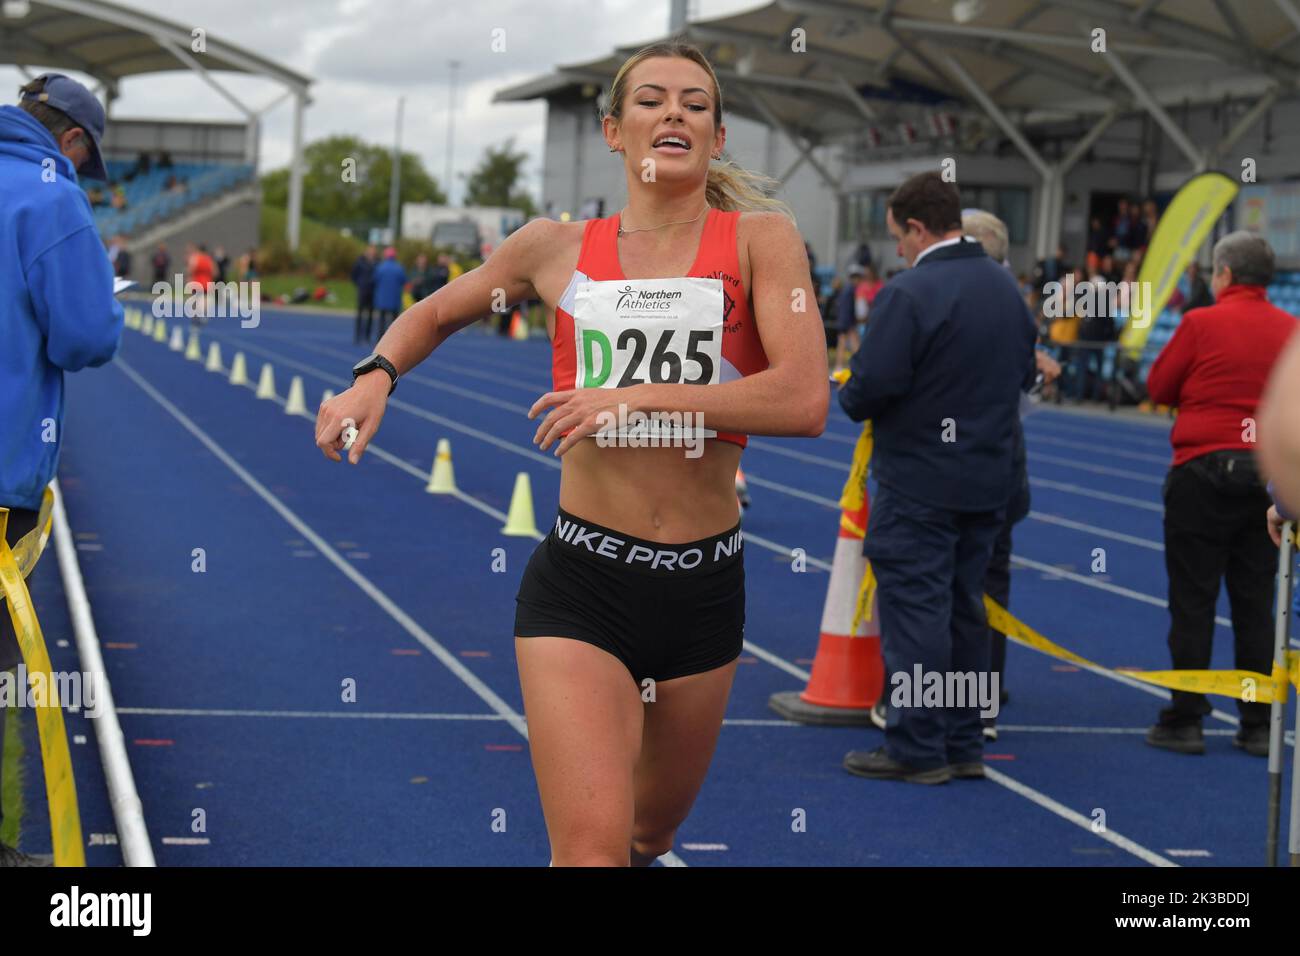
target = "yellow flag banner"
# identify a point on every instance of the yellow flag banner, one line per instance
(60, 786)
(1182, 228)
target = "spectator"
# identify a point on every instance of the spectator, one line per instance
(200, 270)
(248, 271)
(363, 277)
(422, 279)
(119, 196)
(1120, 241)
(1098, 242)
(389, 280)
(442, 272)
(939, 373)
(846, 317)
(119, 256)
(1050, 270)
(221, 263)
(1199, 295)
(991, 233)
(1215, 369)
(175, 185)
(95, 195)
(56, 303)
(164, 160)
(161, 262)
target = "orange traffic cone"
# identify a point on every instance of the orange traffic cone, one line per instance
(848, 672)
(518, 327)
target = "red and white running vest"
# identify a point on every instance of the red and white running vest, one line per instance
(611, 331)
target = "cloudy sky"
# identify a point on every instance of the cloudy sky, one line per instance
(364, 54)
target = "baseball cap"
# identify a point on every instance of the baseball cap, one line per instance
(66, 94)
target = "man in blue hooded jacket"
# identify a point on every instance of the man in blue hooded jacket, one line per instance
(57, 311)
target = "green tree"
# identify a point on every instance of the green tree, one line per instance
(346, 181)
(495, 181)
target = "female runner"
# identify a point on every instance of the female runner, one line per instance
(695, 298)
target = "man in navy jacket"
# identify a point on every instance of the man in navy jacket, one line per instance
(949, 347)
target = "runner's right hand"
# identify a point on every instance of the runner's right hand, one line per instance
(364, 403)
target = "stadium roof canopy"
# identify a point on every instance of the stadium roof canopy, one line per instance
(110, 42)
(1021, 63)
(1032, 59)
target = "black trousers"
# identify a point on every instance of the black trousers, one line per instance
(365, 314)
(1215, 531)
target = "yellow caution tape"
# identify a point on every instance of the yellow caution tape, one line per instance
(855, 488)
(1248, 686)
(60, 785)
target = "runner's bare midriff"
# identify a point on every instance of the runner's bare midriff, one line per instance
(657, 494)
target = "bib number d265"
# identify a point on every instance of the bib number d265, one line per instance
(648, 331)
(663, 365)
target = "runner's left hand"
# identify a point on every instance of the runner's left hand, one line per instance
(579, 411)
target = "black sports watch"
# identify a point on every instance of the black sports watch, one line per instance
(372, 362)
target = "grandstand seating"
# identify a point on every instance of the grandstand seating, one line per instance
(148, 200)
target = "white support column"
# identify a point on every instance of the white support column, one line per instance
(294, 223)
(198, 69)
(770, 115)
(1157, 112)
(1243, 126)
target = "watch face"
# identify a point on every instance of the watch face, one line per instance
(368, 361)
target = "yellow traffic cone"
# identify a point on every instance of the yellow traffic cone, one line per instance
(266, 382)
(238, 371)
(295, 404)
(442, 480)
(214, 358)
(160, 331)
(146, 325)
(178, 339)
(192, 351)
(328, 394)
(520, 521)
(128, 318)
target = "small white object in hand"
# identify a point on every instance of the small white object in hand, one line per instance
(349, 433)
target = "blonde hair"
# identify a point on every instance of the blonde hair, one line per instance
(989, 230)
(730, 186)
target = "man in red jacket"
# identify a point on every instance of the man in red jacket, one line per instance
(1215, 369)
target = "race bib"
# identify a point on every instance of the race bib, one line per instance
(648, 331)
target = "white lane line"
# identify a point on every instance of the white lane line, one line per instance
(1047, 518)
(1102, 585)
(1068, 488)
(1098, 469)
(1101, 447)
(342, 383)
(1061, 810)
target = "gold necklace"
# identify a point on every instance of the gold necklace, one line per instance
(623, 232)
